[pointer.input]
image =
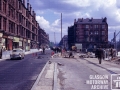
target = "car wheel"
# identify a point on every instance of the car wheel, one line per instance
(20, 58)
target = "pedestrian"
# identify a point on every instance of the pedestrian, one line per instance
(70, 54)
(100, 55)
(111, 53)
(43, 50)
(1, 54)
(96, 53)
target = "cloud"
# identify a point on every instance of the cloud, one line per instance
(74, 9)
(42, 22)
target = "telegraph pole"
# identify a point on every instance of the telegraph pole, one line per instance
(54, 38)
(61, 33)
(61, 26)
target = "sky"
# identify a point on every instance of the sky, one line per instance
(48, 14)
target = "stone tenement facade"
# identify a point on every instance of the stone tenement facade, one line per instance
(43, 38)
(91, 33)
(18, 26)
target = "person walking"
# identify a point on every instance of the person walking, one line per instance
(1, 54)
(100, 55)
(111, 53)
(43, 50)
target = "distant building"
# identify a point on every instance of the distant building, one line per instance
(64, 42)
(43, 38)
(71, 36)
(91, 33)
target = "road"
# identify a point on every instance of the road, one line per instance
(21, 74)
(86, 74)
(73, 73)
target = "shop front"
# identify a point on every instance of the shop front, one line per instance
(21, 43)
(28, 45)
(33, 45)
(10, 43)
(24, 44)
(15, 42)
(1, 40)
(5, 42)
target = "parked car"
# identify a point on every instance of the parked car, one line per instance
(17, 54)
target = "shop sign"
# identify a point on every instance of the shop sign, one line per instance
(28, 41)
(16, 39)
(5, 36)
(1, 34)
(10, 37)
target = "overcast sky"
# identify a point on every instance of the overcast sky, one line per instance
(48, 14)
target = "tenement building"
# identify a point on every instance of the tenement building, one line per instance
(18, 26)
(43, 38)
(91, 33)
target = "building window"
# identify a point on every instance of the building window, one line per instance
(0, 5)
(0, 22)
(87, 26)
(91, 32)
(9, 26)
(103, 26)
(87, 32)
(79, 26)
(19, 5)
(96, 26)
(87, 39)
(103, 32)
(4, 24)
(4, 6)
(17, 30)
(96, 32)
(91, 39)
(103, 38)
(9, 10)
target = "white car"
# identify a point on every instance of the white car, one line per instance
(17, 54)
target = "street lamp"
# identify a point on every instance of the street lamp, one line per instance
(114, 39)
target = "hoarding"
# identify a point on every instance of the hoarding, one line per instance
(79, 46)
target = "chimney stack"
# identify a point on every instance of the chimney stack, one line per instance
(74, 20)
(35, 15)
(30, 9)
(24, 2)
(28, 4)
(33, 12)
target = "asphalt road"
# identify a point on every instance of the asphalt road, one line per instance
(21, 74)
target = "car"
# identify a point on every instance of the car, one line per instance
(17, 54)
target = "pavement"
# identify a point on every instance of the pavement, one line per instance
(6, 54)
(51, 77)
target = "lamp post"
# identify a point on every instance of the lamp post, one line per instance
(61, 26)
(115, 43)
